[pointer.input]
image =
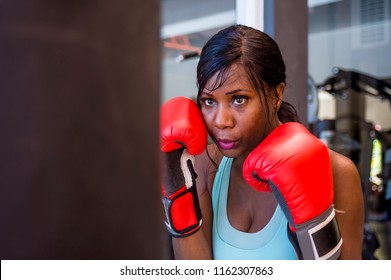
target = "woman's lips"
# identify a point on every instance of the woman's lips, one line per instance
(226, 144)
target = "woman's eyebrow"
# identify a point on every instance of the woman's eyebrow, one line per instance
(236, 91)
(227, 93)
(206, 93)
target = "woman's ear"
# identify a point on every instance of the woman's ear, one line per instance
(280, 93)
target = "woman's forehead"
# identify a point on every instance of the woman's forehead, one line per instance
(227, 77)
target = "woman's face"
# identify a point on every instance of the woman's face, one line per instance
(234, 114)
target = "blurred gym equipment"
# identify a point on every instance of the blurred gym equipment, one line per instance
(351, 135)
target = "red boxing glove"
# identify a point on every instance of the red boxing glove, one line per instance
(295, 166)
(183, 135)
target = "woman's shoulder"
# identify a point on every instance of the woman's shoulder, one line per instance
(345, 174)
(342, 165)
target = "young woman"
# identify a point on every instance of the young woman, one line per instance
(241, 81)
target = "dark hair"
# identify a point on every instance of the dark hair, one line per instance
(256, 51)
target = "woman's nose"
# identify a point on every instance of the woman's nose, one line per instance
(223, 118)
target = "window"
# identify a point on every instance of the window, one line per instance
(186, 26)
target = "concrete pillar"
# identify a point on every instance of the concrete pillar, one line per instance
(287, 23)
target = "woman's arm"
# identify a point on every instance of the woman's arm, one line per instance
(349, 205)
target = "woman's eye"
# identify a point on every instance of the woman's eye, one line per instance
(239, 100)
(208, 102)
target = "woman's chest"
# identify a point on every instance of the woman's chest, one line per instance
(247, 209)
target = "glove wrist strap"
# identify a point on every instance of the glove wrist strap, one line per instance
(183, 213)
(318, 239)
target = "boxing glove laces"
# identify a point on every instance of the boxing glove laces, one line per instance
(183, 135)
(295, 166)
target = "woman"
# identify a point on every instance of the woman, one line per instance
(241, 81)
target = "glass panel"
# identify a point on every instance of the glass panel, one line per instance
(353, 35)
(186, 27)
(349, 55)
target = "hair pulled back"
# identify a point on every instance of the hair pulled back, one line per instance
(257, 52)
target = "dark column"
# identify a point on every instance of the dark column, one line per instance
(287, 22)
(79, 117)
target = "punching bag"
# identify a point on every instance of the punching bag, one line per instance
(79, 126)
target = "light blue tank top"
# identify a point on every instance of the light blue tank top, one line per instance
(270, 243)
